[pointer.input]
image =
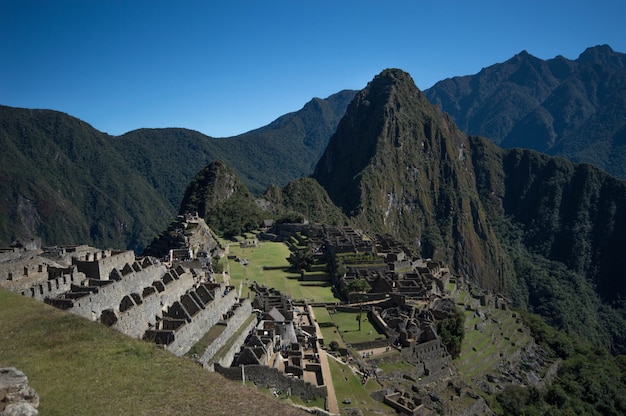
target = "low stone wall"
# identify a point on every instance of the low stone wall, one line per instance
(265, 376)
(370, 345)
(241, 313)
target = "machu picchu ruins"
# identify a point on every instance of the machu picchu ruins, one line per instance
(174, 299)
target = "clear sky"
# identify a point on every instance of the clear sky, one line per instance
(226, 67)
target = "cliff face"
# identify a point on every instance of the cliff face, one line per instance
(574, 214)
(398, 165)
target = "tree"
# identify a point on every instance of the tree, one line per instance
(452, 331)
(358, 286)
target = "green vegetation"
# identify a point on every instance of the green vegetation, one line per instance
(589, 380)
(304, 199)
(227, 206)
(349, 386)
(65, 182)
(452, 330)
(352, 329)
(80, 367)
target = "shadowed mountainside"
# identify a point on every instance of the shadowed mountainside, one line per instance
(62, 180)
(399, 166)
(68, 183)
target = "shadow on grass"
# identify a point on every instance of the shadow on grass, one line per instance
(316, 284)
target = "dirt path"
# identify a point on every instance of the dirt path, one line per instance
(333, 406)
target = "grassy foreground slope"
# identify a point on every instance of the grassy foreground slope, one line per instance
(80, 367)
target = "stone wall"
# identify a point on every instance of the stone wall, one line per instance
(99, 265)
(134, 321)
(233, 325)
(111, 295)
(54, 287)
(187, 335)
(265, 376)
(370, 345)
(16, 396)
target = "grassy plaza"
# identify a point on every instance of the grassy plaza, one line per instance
(268, 264)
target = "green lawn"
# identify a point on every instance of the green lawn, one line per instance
(348, 326)
(267, 265)
(348, 385)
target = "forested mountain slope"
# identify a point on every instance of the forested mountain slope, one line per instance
(62, 180)
(68, 183)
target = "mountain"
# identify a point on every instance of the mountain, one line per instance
(62, 180)
(286, 149)
(397, 165)
(68, 183)
(230, 209)
(546, 232)
(570, 108)
(219, 197)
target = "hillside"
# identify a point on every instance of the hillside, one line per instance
(66, 182)
(286, 149)
(62, 180)
(570, 108)
(80, 367)
(544, 231)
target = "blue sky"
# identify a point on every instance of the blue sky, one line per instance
(227, 67)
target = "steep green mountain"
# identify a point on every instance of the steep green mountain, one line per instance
(61, 180)
(546, 232)
(286, 149)
(399, 166)
(219, 197)
(562, 225)
(570, 108)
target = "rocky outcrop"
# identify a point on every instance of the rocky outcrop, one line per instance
(17, 398)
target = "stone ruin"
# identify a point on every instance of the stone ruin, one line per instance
(282, 350)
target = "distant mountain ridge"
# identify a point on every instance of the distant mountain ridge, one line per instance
(68, 183)
(570, 108)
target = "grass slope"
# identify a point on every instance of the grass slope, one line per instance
(80, 367)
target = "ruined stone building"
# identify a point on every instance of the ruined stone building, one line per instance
(282, 350)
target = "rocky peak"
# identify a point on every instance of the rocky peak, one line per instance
(603, 55)
(398, 165)
(212, 186)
